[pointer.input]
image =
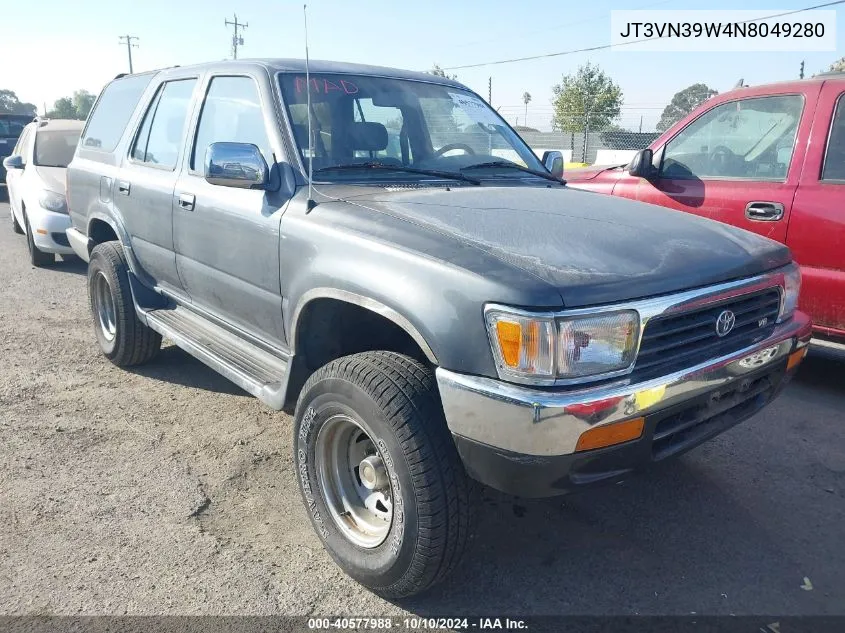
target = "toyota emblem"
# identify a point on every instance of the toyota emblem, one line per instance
(725, 323)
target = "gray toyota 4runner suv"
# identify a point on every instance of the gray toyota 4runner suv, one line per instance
(439, 308)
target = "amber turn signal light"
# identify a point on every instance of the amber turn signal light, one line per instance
(795, 358)
(610, 434)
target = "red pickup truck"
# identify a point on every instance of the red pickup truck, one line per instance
(769, 159)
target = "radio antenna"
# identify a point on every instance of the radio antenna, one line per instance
(310, 204)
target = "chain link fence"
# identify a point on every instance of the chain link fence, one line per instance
(593, 148)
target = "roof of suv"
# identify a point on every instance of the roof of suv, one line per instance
(58, 124)
(322, 66)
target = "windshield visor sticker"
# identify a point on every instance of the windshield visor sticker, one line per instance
(475, 108)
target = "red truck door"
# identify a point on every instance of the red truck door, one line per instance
(738, 162)
(817, 227)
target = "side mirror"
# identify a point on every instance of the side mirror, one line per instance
(553, 160)
(641, 164)
(14, 161)
(239, 165)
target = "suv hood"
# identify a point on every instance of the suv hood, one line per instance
(592, 248)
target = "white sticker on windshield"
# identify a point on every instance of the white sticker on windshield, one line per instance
(475, 108)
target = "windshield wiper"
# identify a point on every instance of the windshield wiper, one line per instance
(499, 164)
(451, 175)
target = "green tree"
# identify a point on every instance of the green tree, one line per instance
(83, 101)
(439, 72)
(63, 109)
(10, 104)
(838, 66)
(588, 100)
(683, 103)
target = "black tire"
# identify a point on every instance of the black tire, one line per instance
(395, 400)
(37, 258)
(16, 227)
(129, 342)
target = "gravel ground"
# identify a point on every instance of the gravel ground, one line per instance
(167, 490)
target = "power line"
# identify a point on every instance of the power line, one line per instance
(606, 46)
(237, 38)
(523, 34)
(127, 39)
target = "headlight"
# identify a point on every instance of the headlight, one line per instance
(543, 349)
(53, 201)
(791, 290)
(588, 346)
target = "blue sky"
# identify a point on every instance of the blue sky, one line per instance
(50, 49)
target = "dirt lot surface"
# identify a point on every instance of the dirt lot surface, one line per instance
(167, 490)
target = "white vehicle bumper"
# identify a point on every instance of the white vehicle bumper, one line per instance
(48, 230)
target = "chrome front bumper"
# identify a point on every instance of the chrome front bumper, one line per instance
(548, 422)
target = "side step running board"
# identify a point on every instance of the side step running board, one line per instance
(256, 371)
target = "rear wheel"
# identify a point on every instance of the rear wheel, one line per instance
(37, 258)
(122, 337)
(379, 473)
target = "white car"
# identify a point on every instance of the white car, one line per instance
(35, 178)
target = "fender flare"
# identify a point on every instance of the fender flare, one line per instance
(122, 236)
(364, 302)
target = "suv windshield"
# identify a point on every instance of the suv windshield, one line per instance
(362, 119)
(11, 126)
(54, 148)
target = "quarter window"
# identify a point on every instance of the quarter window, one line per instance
(834, 160)
(160, 137)
(112, 112)
(231, 113)
(751, 139)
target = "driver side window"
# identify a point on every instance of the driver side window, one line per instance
(750, 139)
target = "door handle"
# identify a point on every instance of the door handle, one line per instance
(186, 201)
(764, 211)
(123, 187)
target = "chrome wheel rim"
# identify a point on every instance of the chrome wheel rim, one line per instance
(355, 481)
(104, 306)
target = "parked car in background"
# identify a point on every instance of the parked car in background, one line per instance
(769, 159)
(11, 126)
(429, 310)
(36, 182)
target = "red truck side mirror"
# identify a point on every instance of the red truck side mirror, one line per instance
(640, 164)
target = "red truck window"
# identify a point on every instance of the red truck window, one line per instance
(834, 160)
(748, 139)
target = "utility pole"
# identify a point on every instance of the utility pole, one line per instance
(490, 90)
(801, 74)
(237, 38)
(127, 39)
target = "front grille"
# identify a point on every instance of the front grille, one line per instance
(674, 342)
(688, 425)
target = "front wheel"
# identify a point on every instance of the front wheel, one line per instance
(16, 227)
(379, 473)
(37, 258)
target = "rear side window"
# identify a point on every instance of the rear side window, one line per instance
(231, 113)
(834, 160)
(160, 137)
(112, 112)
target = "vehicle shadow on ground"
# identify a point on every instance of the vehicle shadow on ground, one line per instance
(177, 367)
(4, 193)
(680, 537)
(71, 264)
